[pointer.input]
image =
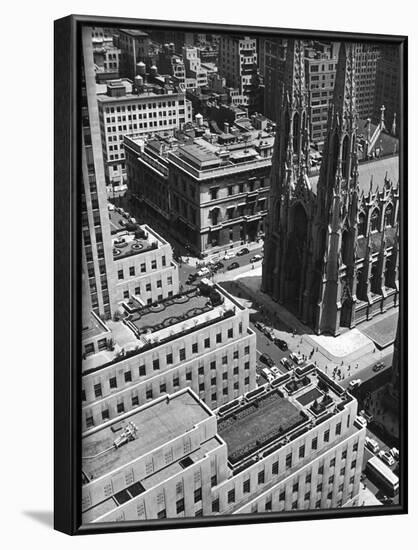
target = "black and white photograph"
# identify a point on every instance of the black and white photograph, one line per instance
(240, 267)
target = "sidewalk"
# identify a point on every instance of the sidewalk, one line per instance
(298, 336)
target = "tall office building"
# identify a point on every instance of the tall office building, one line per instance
(366, 59)
(294, 444)
(272, 57)
(388, 87)
(238, 64)
(97, 257)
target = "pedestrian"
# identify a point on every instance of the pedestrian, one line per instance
(374, 350)
(357, 366)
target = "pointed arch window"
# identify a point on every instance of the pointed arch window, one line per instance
(389, 215)
(362, 224)
(345, 157)
(296, 133)
(374, 220)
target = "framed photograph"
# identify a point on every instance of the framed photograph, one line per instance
(230, 274)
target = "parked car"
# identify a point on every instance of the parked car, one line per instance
(372, 445)
(218, 265)
(256, 258)
(275, 371)
(203, 271)
(259, 325)
(243, 251)
(234, 265)
(281, 344)
(266, 359)
(229, 254)
(378, 366)
(286, 363)
(395, 453)
(268, 331)
(267, 373)
(386, 457)
(354, 383)
(296, 358)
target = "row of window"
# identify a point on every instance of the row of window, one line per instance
(140, 106)
(133, 271)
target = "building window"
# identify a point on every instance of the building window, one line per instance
(275, 468)
(148, 393)
(142, 371)
(231, 496)
(213, 480)
(180, 506)
(198, 494)
(230, 333)
(374, 220)
(247, 350)
(162, 514)
(132, 271)
(113, 382)
(120, 407)
(219, 338)
(338, 429)
(207, 342)
(308, 478)
(120, 274)
(135, 401)
(189, 375)
(289, 460)
(169, 358)
(314, 443)
(98, 390)
(326, 436)
(156, 364)
(163, 388)
(213, 365)
(302, 451)
(215, 505)
(321, 470)
(282, 495)
(128, 376)
(295, 487)
(182, 354)
(194, 347)
(176, 382)
(261, 477)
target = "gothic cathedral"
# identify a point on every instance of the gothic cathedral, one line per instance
(331, 245)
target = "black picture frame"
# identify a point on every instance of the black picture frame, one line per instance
(67, 355)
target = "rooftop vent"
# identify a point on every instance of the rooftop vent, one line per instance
(128, 434)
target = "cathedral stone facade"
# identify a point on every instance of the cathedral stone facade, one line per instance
(331, 246)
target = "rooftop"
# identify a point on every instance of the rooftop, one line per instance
(157, 423)
(95, 328)
(274, 414)
(256, 422)
(128, 236)
(191, 309)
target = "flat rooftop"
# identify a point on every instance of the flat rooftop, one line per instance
(171, 311)
(95, 328)
(276, 413)
(129, 238)
(158, 423)
(256, 422)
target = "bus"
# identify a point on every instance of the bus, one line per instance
(382, 476)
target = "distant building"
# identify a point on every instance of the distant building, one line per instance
(211, 190)
(272, 57)
(238, 64)
(320, 70)
(367, 56)
(198, 338)
(292, 445)
(387, 89)
(106, 61)
(151, 105)
(135, 47)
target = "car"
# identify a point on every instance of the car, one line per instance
(218, 265)
(203, 271)
(229, 255)
(234, 265)
(259, 325)
(354, 383)
(372, 444)
(296, 358)
(275, 371)
(386, 457)
(286, 363)
(378, 366)
(281, 344)
(256, 258)
(266, 359)
(267, 374)
(243, 251)
(395, 453)
(268, 331)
